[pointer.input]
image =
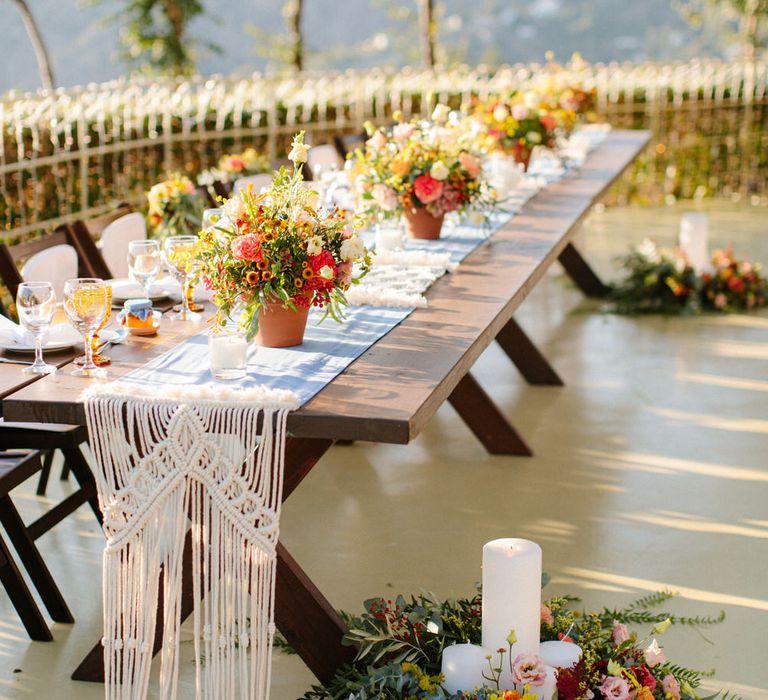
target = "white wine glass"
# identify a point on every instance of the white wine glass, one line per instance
(87, 302)
(36, 305)
(181, 258)
(144, 262)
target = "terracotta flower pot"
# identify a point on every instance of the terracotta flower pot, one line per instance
(523, 156)
(421, 224)
(280, 327)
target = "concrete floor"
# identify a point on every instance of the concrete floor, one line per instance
(650, 472)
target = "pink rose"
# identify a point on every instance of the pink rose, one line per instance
(385, 197)
(520, 112)
(427, 189)
(470, 163)
(247, 247)
(548, 122)
(546, 615)
(654, 654)
(402, 132)
(528, 669)
(620, 633)
(671, 686)
(614, 688)
(377, 141)
(720, 301)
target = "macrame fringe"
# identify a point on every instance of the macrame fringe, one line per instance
(197, 482)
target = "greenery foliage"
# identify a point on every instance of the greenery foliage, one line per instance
(400, 644)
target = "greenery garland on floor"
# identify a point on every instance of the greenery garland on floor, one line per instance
(401, 644)
(661, 280)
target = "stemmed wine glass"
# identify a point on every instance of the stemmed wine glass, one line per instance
(98, 359)
(144, 262)
(36, 304)
(181, 257)
(86, 301)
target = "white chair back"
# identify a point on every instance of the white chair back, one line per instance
(258, 181)
(323, 155)
(56, 265)
(115, 239)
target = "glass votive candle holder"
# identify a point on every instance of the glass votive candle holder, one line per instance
(389, 236)
(228, 353)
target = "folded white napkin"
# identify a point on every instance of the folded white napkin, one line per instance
(125, 288)
(13, 334)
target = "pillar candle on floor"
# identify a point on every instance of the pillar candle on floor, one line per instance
(463, 666)
(511, 599)
(694, 232)
(560, 654)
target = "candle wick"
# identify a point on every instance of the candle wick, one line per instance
(568, 633)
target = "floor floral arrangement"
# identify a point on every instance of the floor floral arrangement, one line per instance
(401, 643)
(174, 208)
(662, 280)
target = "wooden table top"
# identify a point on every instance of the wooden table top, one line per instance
(390, 392)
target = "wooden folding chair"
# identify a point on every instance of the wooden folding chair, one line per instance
(16, 468)
(11, 257)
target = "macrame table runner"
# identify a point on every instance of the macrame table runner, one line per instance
(179, 467)
(184, 459)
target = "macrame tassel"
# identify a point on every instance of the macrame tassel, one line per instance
(194, 476)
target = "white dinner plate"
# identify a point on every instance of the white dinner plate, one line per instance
(27, 348)
(125, 288)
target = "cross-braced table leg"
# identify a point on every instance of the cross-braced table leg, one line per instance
(526, 356)
(485, 420)
(581, 273)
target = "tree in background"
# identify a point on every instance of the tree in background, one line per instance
(428, 25)
(283, 51)
(750, 17)
(38, 44)
(154, 34)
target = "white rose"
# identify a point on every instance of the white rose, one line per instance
(440, 114)
(352, 248)
(531, 100)
(325, 272)
(315, 245)
(298, 153)
(500, 113)
(234, 208)
(533, 136)
(439, 170)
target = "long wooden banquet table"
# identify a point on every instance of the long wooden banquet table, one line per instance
(391, 391)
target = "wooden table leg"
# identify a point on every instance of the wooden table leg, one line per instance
(485, 420)
(526, 356)
(307, 620)
(581, 273)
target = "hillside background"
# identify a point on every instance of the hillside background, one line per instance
(358, 33)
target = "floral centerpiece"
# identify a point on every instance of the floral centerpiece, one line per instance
(662, 280)
(733, 285)
(517, 124)
(174, 208)
(234, 165)
(422, 170)
(277, 254)
(401, 641)
(658, 280)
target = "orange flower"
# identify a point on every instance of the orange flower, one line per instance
(266, 275)
(252, 277)
(262, 265)
(400, 166)
(298, 282)
(307, 273)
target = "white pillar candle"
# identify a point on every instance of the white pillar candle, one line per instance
(546, 691)
(389, 237)
(560, 654)
(694, 234)
(511, 599)
(463, 666)
(228, 355)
